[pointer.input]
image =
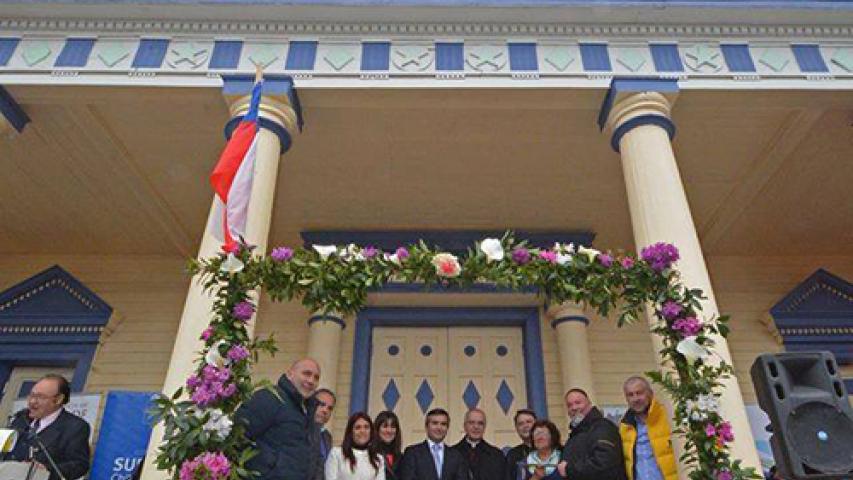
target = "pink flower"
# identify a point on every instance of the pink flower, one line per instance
(671, 310)
(605, 259)
(402, 253)
(370, 252)
(725, 432)
(710, 430)
(237, 353)
(724, 475)
(627, 262)
(688, 327)
(521, 256)
(281, 254)
(660, 256)
(548, 255)
(208, 466)
(446, 265)
(205, 335)
(243, 311)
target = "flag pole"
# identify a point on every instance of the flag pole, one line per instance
(259, 73)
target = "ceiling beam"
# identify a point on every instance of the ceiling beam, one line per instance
(755, 178)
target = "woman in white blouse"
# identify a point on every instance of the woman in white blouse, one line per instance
(356, 458)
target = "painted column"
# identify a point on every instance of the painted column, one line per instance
(278, 121)
(570, 323)
(636, 113)
(324, 342)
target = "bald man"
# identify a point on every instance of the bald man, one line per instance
(282, 425)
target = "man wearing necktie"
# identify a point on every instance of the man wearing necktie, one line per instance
(325, 405)
(432, 459)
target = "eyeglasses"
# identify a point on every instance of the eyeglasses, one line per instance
(39, 397)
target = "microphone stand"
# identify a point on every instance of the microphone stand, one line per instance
(34, 436)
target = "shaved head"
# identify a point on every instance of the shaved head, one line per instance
(305, 376)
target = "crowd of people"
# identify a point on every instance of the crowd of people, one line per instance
(289, 428)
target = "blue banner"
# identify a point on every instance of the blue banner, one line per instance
(123, 438)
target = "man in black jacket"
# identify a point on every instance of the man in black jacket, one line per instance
(485, 462)
(594, 448)
(524, 420)
(282, 425)
(63, 434)
(432, 459)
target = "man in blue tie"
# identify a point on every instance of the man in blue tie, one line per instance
(432, 459)
(326, 401)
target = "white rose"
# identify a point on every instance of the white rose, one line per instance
(563, 258)
(325, 250)
(691, 350)
(231, 264)
(493, 249)
(591, 253)
(214, 357)
(218, 423)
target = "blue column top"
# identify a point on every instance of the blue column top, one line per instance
(273, 85)
(635, 85)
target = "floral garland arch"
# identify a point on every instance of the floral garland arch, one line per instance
(202, 442)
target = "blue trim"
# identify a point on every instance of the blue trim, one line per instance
(375, 56)
(570, 318)
(632, 85)
(150, 53)
(626, 127)
(666, 57)
(595, 57)
(453, 241)
(263, 122)
(226, 54)
(527, 318)
(301, 55)
(848, 384)
(12, 111)
(831, 5)
(273, 85)
(7, 48)
(738, 58)
(399, 287)
(522, 57)
(75, 53)
(809, 58)
(449, 57)
(328, 318)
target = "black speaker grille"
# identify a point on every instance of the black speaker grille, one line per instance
(822, 436)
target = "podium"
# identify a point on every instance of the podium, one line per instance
(19, 470)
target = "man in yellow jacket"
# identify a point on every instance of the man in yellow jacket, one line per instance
(646, 435)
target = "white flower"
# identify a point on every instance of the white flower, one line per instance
(218, 423)
(231, 264)
(591, 253)
(446, 265)
(708, 403)
(392, 257)
(214, 357)
(563, 258)
(325, 250)
(691, 350)
(350, 253)
(493, 249)
(564, 247)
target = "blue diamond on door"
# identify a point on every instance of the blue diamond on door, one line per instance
(424, 396)
(471, 396)
(504, 397)
(391, 395)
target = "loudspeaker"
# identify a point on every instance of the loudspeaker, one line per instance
(812, 421)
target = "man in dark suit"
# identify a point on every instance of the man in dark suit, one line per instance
(325, 405)
(63, 434)
(432, 459)
(524, 420)
(485, 462)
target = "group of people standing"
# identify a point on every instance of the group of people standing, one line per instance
(288, 427)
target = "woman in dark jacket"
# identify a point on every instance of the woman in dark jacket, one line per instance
(388, 442)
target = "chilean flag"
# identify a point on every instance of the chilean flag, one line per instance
(233, 176)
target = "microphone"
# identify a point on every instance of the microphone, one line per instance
(33, 437)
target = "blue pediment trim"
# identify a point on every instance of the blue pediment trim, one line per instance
(453, 241)
(53, 297)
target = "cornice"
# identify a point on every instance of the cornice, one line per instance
(411, 29)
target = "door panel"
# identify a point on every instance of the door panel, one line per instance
(415, 369)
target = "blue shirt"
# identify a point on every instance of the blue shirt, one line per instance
(645, 466)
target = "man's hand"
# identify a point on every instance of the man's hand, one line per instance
(561, 467)
(39, 466)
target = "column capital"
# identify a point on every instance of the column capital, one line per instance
(328, 317)
(567, 312)
(280, 110)
(13, 116)
(631, 103)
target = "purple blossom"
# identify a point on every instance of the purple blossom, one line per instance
(237, 353)
(243, 311)
(724, 475)
(281, 254)
(370, 251)
(209, 386)
(521, 256)
(660, 256)
(725, 432)
(627, 262)
(710, 430)
(402, 253)
(193, 382)
(671, 310)
(205, 335)
(548, 256)
(605, 259)
(688, 327)
(208, 465)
